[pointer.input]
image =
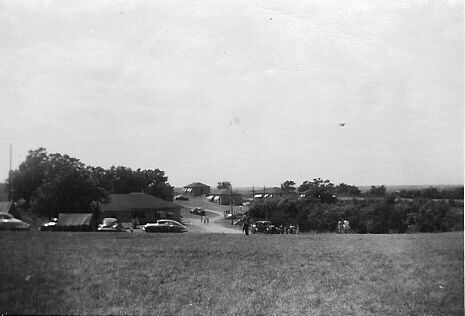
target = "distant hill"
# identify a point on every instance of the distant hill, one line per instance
(3, 192)
(394, 188)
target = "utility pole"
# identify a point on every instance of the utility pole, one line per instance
(9, 178)
(231, 204)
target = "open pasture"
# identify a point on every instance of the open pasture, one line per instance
(215, 274)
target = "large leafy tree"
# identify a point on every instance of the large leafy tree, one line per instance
(157, 183)
(29, 176)
(56, 183)
(317, 185)
(347, 189)
(288, 186)
(223, 185)
(68, 186)
(318, 188)
(377, 190)
(125, 180)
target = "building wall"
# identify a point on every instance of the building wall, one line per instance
(144, 216)
(198, 191)
(236, 199)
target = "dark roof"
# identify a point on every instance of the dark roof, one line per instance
(136, 201)
(69, 219)
(196, 185)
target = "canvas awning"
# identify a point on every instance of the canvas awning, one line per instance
(66, 220)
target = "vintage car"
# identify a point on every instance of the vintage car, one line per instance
(198, 211)
(8, 222)
(165, 226)
(109, 225)
(265, 227)
(50, 225)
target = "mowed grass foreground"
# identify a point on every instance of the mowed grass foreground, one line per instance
(206, 274)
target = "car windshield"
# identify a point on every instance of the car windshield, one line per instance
(109, 221)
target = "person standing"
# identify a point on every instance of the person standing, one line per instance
(245, 224)
(346, 226)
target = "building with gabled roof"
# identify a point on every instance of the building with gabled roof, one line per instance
(197, 189)
(141, 206)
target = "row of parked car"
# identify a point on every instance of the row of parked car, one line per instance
(112, 225)
(267, 227)
(9, 222)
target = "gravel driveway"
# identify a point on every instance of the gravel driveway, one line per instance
(194, 224)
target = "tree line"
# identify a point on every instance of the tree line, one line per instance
(56, 183)
(367, 213)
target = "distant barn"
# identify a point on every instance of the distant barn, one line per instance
(197, 189)
(226, 197)
(143, 207)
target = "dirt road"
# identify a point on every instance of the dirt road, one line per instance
(194, 224)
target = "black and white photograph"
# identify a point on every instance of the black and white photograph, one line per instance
(246, 157)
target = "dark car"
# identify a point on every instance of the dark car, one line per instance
(109, 225)
(265, 227)
(165, 226)
(50, 225)
(198, 211)
(181, 198)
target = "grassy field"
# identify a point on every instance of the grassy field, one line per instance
(215, 274)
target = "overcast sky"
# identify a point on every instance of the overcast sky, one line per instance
(250, 92)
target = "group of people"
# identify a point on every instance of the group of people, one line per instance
(204, 219)
(289, 229)
(343, 227)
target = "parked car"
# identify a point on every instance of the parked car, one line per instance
(109, 225)
(8, 222)
(165, 226)
(50, 225)
(181, 198)
(198, 211)
(265, 227)
(291, 229)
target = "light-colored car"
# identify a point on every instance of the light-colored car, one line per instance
(109, 225)
(8, 222)
(165, 226)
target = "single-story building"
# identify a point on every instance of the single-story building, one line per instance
(226, 197)
(141, 206)
(197, 189)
